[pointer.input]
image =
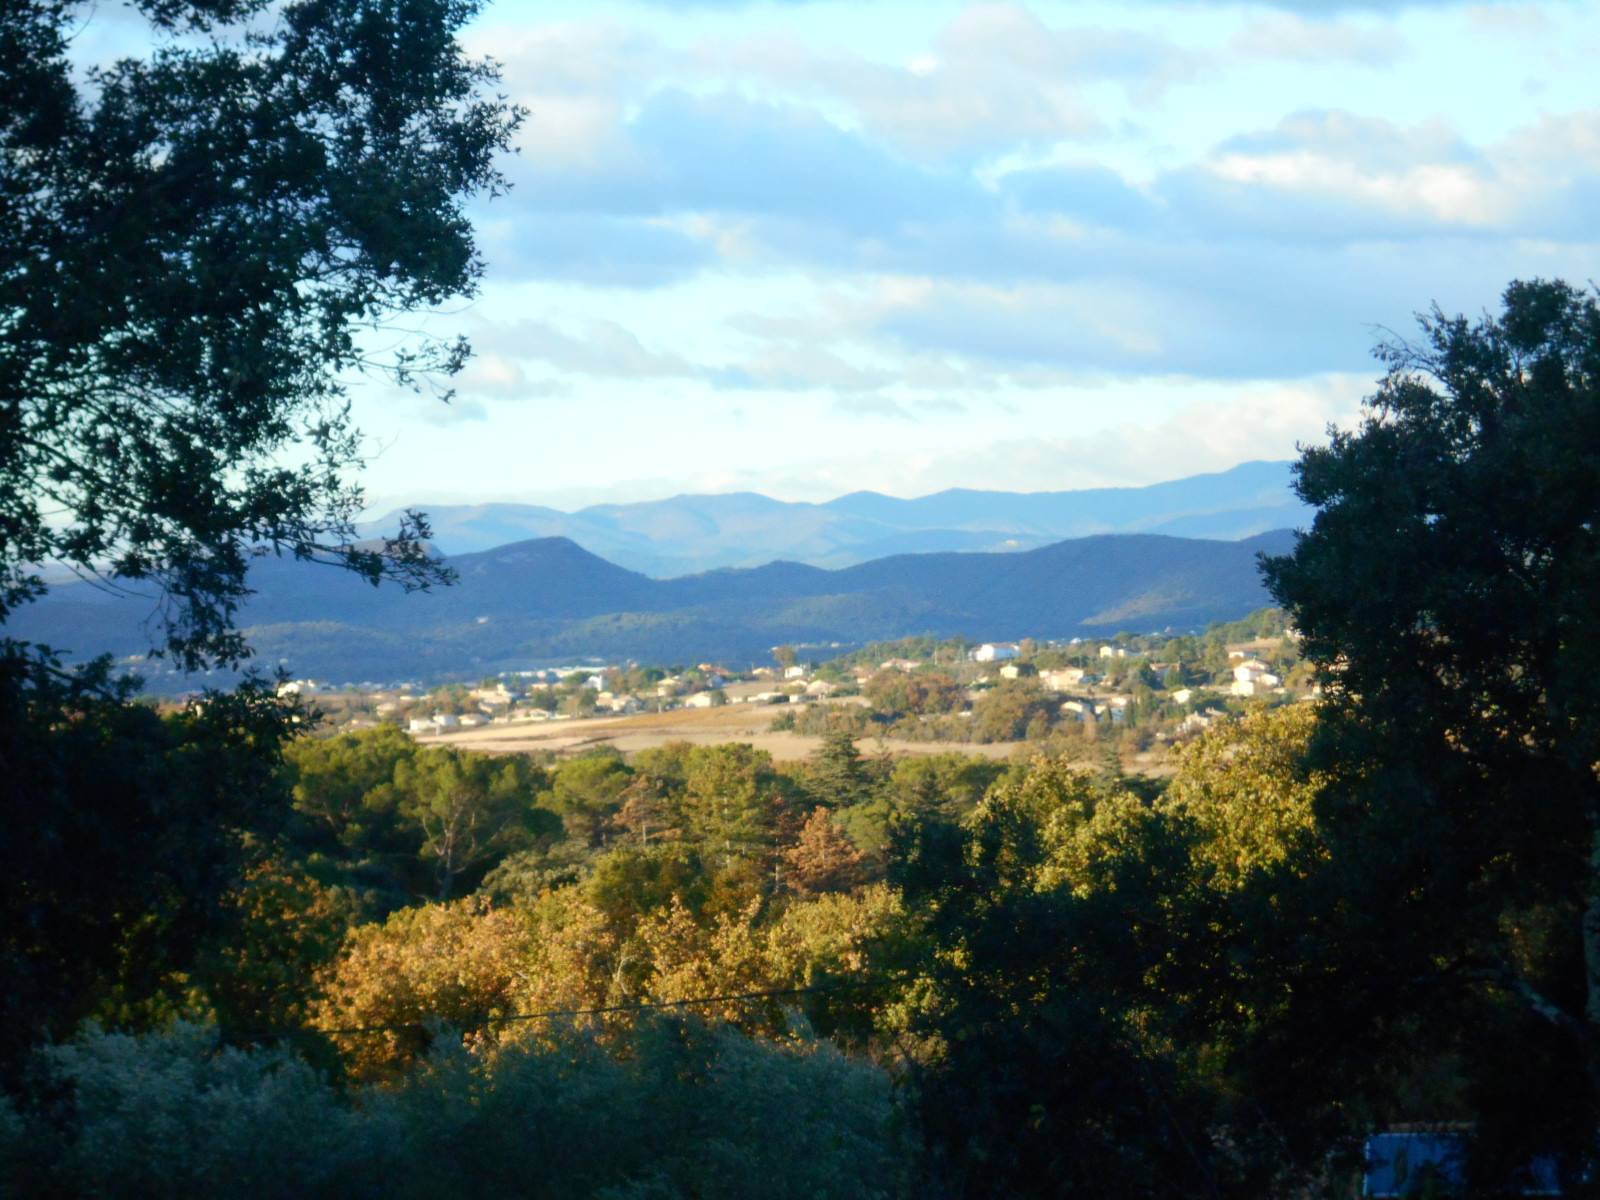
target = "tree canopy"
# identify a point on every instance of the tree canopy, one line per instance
(1446, 593)
(195, 246)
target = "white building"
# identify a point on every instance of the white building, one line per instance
(1252, 677)
(995, 652)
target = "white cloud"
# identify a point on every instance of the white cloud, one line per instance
(1262, 422)
(1287, 37)
(602, 349)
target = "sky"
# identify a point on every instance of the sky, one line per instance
(809, 248)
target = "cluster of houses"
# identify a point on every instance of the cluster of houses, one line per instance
(709, 685)
(544, 695)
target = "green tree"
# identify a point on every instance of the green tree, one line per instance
(471, 809)
(124, 832)
(729, 794)
(1446, 593)
(894, 691)
(1066, 1003)
(586, 792)
(191, 244)
(195, 247)
(343, 787)
(947, 785)
(838, 777)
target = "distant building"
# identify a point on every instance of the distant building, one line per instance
(1251, 676)
(1062, 679)
(995, 652)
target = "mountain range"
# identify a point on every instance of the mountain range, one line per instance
(692, 533)
(546, 600)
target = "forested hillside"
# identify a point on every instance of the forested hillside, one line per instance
(547, 600)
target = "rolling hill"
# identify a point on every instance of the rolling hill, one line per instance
(547, 599)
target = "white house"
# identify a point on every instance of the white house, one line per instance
(995, 652)
(1251, 676)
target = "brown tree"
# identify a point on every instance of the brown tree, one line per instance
(823, 859)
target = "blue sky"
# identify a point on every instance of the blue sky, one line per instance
(805, 248)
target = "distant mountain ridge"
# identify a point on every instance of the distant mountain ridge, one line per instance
(544, 600)
(691, 533)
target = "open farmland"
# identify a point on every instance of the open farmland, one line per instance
(701, 726)
(707, 727)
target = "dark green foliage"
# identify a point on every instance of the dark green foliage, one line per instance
(947, 786)
(188, 248)
(837, 777)
(1447, 594)
(124, 831)
(586, 793)
(377, 811)
(1069, 1001)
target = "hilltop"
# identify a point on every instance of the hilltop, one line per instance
(548, 599)
(690, 533)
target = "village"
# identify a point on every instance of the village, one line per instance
(1149, 690)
